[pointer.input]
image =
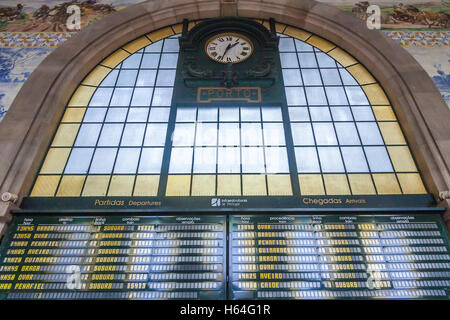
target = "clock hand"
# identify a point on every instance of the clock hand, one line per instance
(226, 50)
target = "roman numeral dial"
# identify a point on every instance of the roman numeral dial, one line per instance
(229, 47)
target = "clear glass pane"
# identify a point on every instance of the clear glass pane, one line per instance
(116, 115)
(180, 160)
(79, 161)
(110, 79)
(183, 134)
(186, 114)
(162, 97)
(168, 60)
(251, 134)
(347, 134)
(295, 96)
(330, 160)
(229, 134)
(292, 77)
(94, 115)
(127, 78)
(154, 47)
(316, 96)
(306, 159)
(274, 134)
(138, 114)
(146, 78)
(307, 60)
(171, 45)
(155, 134)
(354, 159)
(132, 62)
(151, 159)
(324, 133)
(101, 97)
(271, 114)
(378, 159)
(150, 61)
(347, 78)
(302, 134)
(311, 77)
(303, 46)
(369, 132)
(121, 97)
(286, 44)
(229, 160)
(88, 135)
(252, 160)
(207, 114)
(206, 134)
(127, 160)
(325, 61)
(341, 113)
(142, 97)
(363, 114)
(336, 96)
(250, 114)
(205, 160)
(356, 96)
(298, 114)
(110, 136)
(320, 114)
(103, 160)
(330, 77)
(276, 160)
(166, 78)
(228, 114)
(133, 135)
(288, 60)
(159, 115)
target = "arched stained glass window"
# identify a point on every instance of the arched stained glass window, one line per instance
(121, 135)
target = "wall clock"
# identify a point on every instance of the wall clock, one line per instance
(229, 47)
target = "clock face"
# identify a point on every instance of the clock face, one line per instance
(229, 47)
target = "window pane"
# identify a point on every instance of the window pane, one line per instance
(252, 160)
(168, 60)
(316, 96)
(116, 115)
(155, 134)
(378, 159)
(292, 77)
(229, 134)
(250, 114)
(146, 78)
(137, 115)
(228, 160)
(354, 159)
(159, 115)
(356, 96)
(132, 62)
(271, 114)
(186, 114)
(127, 78)
(133, 135)
(347, 78)
(347, 133)
(150, 61)
(336, 96)
(205, 160)
(324, 133)
(303, 46)
(274, 134)
(363, 114)
(251, 134)
(165, 78)
(341, 114)
(103, 160)
(276, 160)
(207, 114)
(88, 134)
(162, 97)
(330, 76)
(307, 60)
(306, 159)
(206, 134)
(154, 47)
(151, 159)
(121, 97)
(295, 96)
(320, 114)
(183, 134)
(302, 134)
(110, 135)
(298, 114)
(171, 45)
(94, 115)
(369, 133)
(180, 160)
(79, 161)
(101, 97)
(127, 160)
(110, 79)
(286, 44)
(288, 60)
(330, 159)
(311, 77)
(325, 61)
(229, 114)
(142, 97)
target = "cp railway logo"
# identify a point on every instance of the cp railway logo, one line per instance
(215, 202)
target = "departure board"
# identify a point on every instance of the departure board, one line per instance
(182, 257)
(339, 257)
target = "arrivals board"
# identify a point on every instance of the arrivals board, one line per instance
(114, 257)
(339, 257)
